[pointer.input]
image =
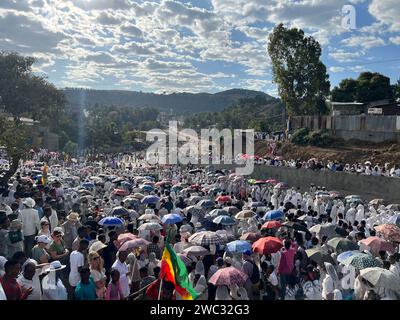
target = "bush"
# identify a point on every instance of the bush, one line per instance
(300, 136)
(320, 138)
(304, 136)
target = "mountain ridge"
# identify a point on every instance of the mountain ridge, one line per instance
(179, 103)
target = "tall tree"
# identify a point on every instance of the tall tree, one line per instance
(301, 76)
(22, 93)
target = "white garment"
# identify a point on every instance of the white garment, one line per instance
(26, 284)
(30, 221)
(123, 279)
(53, 290)
(2, 294)
(327, 286)
(76, 260)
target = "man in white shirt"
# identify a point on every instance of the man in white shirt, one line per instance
(26, 280)
(394, 265)
(122, 267)
(30, 224)
(77, 261)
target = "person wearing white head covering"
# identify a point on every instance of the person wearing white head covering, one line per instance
(337, 295)
(222, 293)
(330, 282)
(3, 261)
(351, 214)
(53, 288)
(199, 281)
(153, 262)
(360, 215)
(334, 211)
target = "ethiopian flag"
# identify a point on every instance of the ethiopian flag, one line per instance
(174, 270)
(44, 174)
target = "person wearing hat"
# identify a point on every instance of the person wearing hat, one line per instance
(98, 273)
(53, 288)
(39, 254)
(30, 224)
(70, 229)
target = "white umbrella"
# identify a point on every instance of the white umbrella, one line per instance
(196, 251)
(150, 226)
(380, 277)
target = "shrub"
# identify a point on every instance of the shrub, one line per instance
(319, 138)
(300, 136)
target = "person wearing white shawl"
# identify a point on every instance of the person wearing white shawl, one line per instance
(330, 282)
(334, 211)
(351, 214)
(200, 282)
(360, 215)
(222, 293)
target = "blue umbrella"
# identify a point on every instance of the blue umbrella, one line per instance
(147, 188)
(88, 185)
(273, 215)
(111, 222)
(127, 184)
(150, 199)
(344, 255)
(395, 219)
(238, 246)
(205, 204)
(224, 220)
(171, 218)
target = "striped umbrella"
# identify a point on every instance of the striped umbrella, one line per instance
(205, 238)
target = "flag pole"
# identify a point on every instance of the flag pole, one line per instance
(159, 290)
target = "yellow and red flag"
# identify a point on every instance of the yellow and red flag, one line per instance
(44, 174)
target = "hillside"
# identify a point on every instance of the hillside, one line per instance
(179, 103)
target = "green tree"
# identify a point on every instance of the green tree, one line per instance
(22, 93)
(298, 71)
(369, 86)
(396, 90)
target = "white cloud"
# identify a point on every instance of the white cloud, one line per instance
(336, 69)
(387, 12)
(395, 40)
(341, 55)
(366, 42)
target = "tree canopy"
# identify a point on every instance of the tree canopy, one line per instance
(369, 86)
(298, 71)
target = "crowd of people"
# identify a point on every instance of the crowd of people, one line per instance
(84, 232)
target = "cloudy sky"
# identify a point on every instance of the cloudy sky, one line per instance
(194, 45)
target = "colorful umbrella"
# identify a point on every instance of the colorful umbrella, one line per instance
(272, 181)
(245, 214)
(238, 246)
(205, 204)
(267, 245)
(88, 185)
(120, 192)
(125, 237)
(274, 215)
(250, 236)
(171, 218)
(362, 260)
(389, 231)
(319, 256)
(150, 199)
(271, 225)
(342, 244)
(135, 243)
(223, 199)
(119, 211)
(146, 188)
(377, 244)
(224, 220)
(228, 276)
(344, 255)
(111, 222)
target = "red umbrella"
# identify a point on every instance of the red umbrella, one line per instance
(125, 237)
(120, 192)
(228, 276)
(223, 199)
(377, 244)
(267, 245)
(271, 225)
(250, 236)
